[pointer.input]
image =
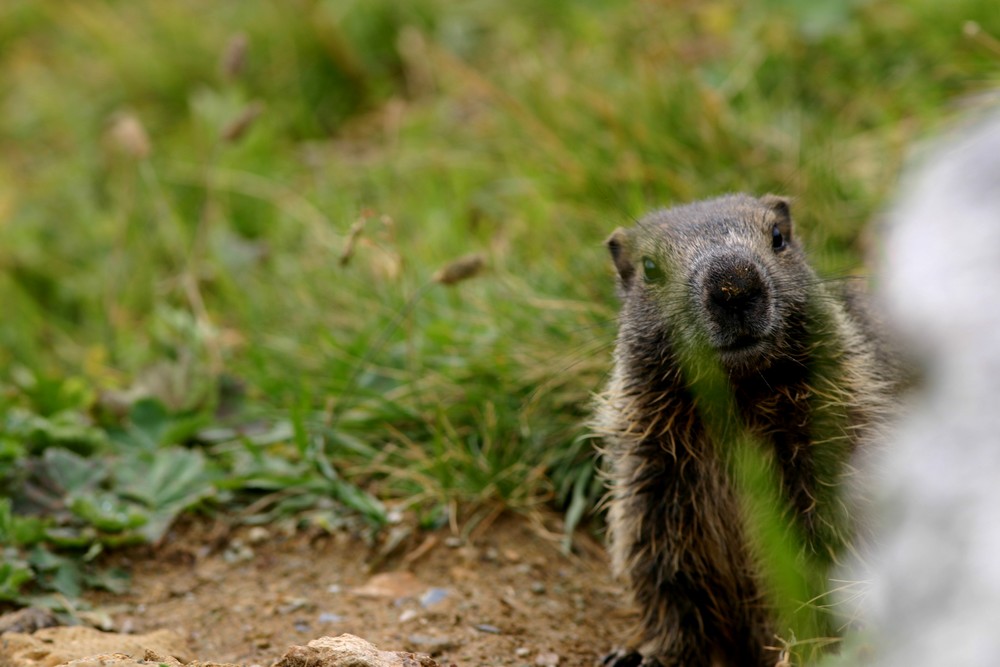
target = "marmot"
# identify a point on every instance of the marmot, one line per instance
(722, 286)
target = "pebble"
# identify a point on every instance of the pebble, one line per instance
(522, 651)
(27, 620)
(348, 650)
(390, 585)
(327, 617)
(258, 534)
(431, 644)
(408, 615)
(293, 605)
(486, 627)
(537, 587)
(237, 552)
(433, 596)
(547, 659)
(453, 542)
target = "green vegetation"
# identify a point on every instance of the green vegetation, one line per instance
(220, 226)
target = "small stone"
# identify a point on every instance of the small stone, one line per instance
(431, 644)
(408, 615)
(237, 552)
(391, 585)
(258, 534)
(522, 651)
(292, 605)
(433, 596)
(180, 588)
(490, 629)
(537, 587)
(27, 620)
(453, 542)
(301, 626)
(327, 617)
(334, 588)
(492, 554)
(349, 651)
(547, 659)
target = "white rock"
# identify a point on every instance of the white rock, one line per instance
(934, 593)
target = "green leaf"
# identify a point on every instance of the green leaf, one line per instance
(107, 512)
(359, 500)
(172, 481)
(157, 525)
(115, 580)
(44, 560)
(68, 429)
(67, 580)
(51, 395)
(17, 530)
(11, 449)
(578, 505)
(250, 466)
(152, 426)
(178, 478)
(58, 573)
(71, 538)
(149, 420)
(12, 453)
(14, 574)
(72, 472)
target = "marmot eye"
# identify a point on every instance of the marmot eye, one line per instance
(777, 240)
(652, 272)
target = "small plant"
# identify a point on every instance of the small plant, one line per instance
(62, 508)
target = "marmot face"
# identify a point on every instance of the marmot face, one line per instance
(725, 275)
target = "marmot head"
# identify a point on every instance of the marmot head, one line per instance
(726, 275)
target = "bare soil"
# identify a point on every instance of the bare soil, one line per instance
(506, 596)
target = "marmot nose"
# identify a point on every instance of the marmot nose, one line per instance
(735, 289)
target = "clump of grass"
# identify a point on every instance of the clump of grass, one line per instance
(246, 229)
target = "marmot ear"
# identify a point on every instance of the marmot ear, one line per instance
(781, 208)
(621, 254)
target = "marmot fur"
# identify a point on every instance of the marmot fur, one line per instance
(722, 286)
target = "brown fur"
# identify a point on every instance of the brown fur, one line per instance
(706, 288)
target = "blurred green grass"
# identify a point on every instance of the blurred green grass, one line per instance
(180, 182)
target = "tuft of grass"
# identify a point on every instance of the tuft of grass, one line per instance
(220, 230)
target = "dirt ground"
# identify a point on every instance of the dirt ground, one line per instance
(505, 596)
